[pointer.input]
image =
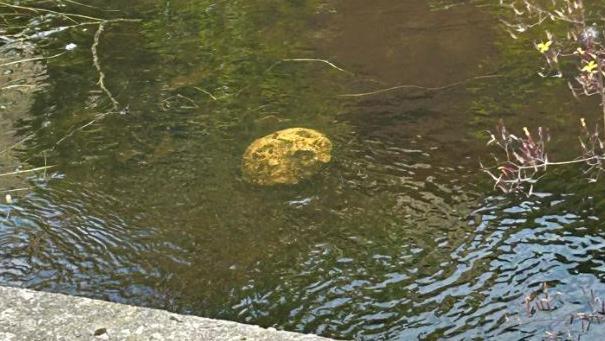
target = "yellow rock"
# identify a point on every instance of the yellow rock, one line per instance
(286, 156)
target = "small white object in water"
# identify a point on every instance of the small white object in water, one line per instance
(301, 203)
(9, 199)
(70, 46)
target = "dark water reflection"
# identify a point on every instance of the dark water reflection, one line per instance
(399, 238)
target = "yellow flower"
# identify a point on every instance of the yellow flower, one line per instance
(544, 47)
(590, 67)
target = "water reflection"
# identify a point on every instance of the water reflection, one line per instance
(397, 238)
(467, 283)
(19, 83)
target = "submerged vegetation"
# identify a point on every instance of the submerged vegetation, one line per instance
(27, 28)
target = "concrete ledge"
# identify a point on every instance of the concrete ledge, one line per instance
(32, 315)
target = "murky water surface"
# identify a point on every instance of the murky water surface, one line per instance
(400, 237)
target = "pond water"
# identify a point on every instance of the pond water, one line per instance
(400, 237)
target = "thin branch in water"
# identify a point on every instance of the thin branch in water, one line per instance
(165, 104)
(31, 59)
(16, 190)
(206, 92)
(99, 117)
(327, 62)
(16, 86)
(89, 6)
(95, 61)
(69, 16)
(17, 143)
(412, 86)
(31, 170)
(309, 60)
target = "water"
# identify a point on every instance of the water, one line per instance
(400, 237)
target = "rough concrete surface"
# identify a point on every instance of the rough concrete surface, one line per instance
(32, 315)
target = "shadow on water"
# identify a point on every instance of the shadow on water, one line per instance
(400, 237)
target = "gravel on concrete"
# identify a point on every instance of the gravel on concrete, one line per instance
(33, 315)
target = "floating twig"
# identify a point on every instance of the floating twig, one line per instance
(309, 60)
(96, 63)
(16, 190)
(412, 86)
(206, 92)
(91, 122)
(31, 59)
(327, 62)
(69, 16)
(27, 170)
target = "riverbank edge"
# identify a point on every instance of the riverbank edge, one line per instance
(34, 315)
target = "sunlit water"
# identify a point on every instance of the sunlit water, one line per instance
(400, 237)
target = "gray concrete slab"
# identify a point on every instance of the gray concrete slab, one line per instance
(33, 315)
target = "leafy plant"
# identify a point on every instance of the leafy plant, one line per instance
(576, 53)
